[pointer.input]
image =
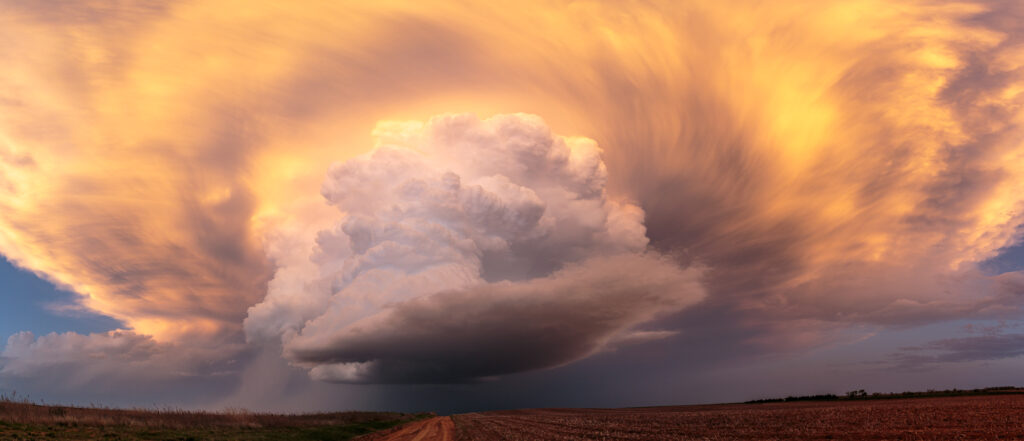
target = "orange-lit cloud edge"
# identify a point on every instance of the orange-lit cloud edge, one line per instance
(830, 163)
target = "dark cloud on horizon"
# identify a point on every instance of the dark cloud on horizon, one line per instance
(959, 350)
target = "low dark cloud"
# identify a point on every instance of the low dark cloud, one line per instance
(501, 328)
(111, 367)
(959, 350)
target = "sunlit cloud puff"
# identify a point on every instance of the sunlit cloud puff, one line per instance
(467, 249)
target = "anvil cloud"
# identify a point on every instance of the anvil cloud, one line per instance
(806, 170)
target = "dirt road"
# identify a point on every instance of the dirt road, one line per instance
(434, 429)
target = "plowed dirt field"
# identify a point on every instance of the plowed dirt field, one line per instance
(972, 417)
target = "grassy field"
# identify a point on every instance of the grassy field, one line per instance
(27, 421)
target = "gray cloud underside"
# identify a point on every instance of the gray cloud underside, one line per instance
(502, 328)
(959, 350)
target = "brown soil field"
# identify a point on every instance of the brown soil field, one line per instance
(434, 429)
(950, 418)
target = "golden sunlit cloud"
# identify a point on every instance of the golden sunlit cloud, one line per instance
(831, 163)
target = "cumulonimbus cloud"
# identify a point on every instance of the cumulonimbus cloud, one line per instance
(833, 164)
(467, 249)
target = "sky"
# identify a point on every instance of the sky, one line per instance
(35, 305)
(460, 206)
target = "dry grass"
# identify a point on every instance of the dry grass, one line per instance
(25, 413)
(24, 420)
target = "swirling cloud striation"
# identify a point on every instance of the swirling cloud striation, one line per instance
(555, 187)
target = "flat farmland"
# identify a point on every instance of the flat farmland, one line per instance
(949, 418)
(26, 421)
